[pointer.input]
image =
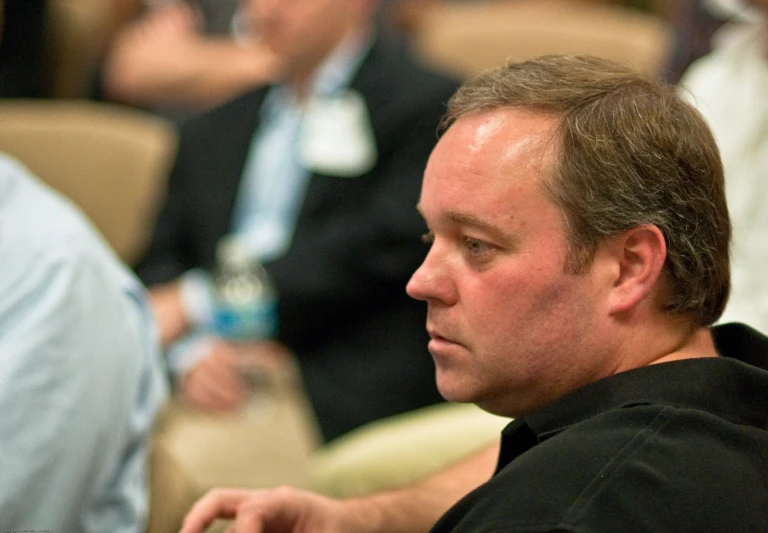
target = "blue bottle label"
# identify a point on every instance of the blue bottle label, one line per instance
(256, 321)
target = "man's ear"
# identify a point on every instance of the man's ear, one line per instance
(639, 254)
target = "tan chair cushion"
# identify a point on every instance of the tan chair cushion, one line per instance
(172, 490)
(467, 37)
(112, 161)
(264, 445)
(399, 450)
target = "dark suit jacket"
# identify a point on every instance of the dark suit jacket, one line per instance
(359, 339)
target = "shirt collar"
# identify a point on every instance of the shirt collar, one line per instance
(340, 66)
(741, 372)
(335, 73)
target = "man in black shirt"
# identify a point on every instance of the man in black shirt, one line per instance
(579, 256)
(673, 447)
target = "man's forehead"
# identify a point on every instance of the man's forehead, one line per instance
(496, 118)
(506, 131)
(505, 143)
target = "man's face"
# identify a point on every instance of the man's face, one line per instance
(303, 31)
(510, 329)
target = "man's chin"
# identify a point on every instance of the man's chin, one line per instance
(454, 392)
(462, 392)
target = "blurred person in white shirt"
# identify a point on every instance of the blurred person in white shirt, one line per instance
(729, 87)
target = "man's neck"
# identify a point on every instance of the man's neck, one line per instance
(302, 76)
(665, 339)
(699, 344)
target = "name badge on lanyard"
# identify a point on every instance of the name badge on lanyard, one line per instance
(336, 136)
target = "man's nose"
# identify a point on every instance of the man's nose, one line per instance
(432, 280)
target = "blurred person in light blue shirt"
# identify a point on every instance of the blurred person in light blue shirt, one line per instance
(80, 376)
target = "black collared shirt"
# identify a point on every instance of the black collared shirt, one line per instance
(673, 447)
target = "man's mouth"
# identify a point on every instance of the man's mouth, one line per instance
(441, 341)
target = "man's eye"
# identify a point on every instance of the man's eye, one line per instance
(428, 237)
(476, 248)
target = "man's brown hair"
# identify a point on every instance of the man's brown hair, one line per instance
(630, 152)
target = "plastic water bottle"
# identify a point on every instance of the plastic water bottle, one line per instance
(245, 310)
(244, 298)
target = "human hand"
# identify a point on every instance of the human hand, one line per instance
(268, 355)
(281, 510)
(168, 25)
(165, 302)
(214, 382)
(165, 58)
(217, 383)
(161, 44)
(412, 509)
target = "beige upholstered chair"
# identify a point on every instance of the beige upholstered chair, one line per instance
(399, 450)
(466, 37)
(266, 444)
(110, 160)
(78, 34)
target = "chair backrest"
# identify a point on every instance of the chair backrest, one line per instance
(78, 34)
(401, 449)
(111, 160)
(467, 37)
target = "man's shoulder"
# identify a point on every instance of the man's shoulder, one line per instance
(654, 467)
(38, 216)
(665, 467)
(41, 230)
(391, 68)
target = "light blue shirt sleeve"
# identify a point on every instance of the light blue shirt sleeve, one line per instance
(80, 376)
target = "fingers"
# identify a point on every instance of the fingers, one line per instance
(254, 511)
(248, 522)
(270, 355)
(214, 384)
(176, 18)
(280, 510)
(218, 503)
(273, 511)
(216, 381)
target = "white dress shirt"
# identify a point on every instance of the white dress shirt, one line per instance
(730, 88)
